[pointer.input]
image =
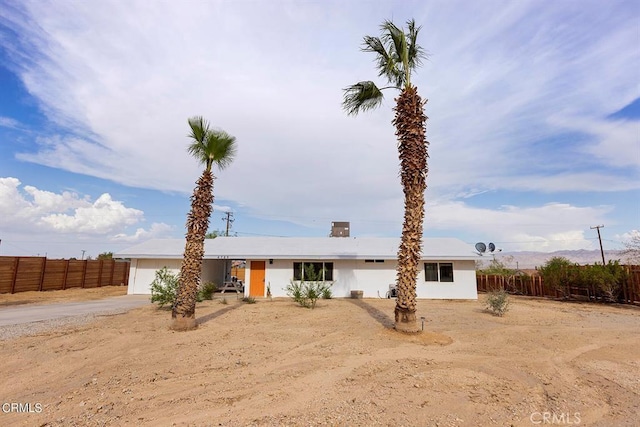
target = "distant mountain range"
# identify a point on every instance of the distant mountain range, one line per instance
(530, 260)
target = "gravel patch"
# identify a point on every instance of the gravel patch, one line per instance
(61, 323)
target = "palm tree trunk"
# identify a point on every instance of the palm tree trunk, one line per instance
(410, 123)
(184, 308)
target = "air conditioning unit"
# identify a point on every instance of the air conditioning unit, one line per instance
(339, 229)
(393, 292)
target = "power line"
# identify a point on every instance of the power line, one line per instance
(229, 219)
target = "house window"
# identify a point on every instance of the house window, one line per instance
(373, 260)
(313, 270)
(431, 271)
(438, 272)
(446, 272)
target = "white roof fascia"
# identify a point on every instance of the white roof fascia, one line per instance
(320, 248)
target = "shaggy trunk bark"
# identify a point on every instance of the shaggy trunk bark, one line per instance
(184, 308)
(410, 123)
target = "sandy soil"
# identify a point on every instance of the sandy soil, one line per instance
(273, 363)
(69, 295)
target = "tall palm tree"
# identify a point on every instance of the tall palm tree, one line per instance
(397, 55)
(210, 147)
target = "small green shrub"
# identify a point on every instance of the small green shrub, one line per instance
(249, 300)
(224, 301)
(207, 290)
(164, 287)
(559, 274)
(498, 302)
(294, 290)
(307, 292)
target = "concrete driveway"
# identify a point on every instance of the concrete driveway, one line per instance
(21, 314)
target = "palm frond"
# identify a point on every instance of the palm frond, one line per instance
(395, 37)
(387, 63)
(361, 96)
(374, 44)
(396, 41)
(210, 146)
(416, 52)
(199, 128)
(397, 54)
(221, 148)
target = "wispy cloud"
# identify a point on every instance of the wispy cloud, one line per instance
(554, 226)
(502, 77)
(8, 122)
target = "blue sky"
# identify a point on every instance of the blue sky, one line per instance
(534, 120)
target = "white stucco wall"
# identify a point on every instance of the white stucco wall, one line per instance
(143, 271)
(374, 279)
(463, 286)
(371, 278)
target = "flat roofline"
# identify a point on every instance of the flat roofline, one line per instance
(301, 257)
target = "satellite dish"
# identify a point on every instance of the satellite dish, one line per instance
(481, 247)
(492, 247)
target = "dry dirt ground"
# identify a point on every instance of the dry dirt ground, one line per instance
(69, 295)
(275, 364)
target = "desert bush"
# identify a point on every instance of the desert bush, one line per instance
(327, 293)
(295, 291)
(207, 290)
(498, 302)
(224, 301)
(602, 281)
(249, 300)
(307, 292)
(605, 280)
(164, 287)
(559, 274)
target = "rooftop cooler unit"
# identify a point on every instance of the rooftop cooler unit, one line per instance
(339, 229)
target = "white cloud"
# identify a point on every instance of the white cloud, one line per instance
(632, 234)
(157, 230)
(40, 211)
(46, 201)
(121, 81)
(553, 226)
(617, 142)
(103, 216)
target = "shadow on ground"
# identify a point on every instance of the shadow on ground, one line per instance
(215, 314)
(378, 315)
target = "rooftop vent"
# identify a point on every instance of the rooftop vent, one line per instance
(339, 229)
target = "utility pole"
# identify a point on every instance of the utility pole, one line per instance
(83, 251)
(598, 227)
(229, 219)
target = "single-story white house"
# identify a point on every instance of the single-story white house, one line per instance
(368, 264)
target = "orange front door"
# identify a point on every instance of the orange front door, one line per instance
(256, 284)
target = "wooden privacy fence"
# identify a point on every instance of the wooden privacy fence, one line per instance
(534, 286)
(21, 274)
